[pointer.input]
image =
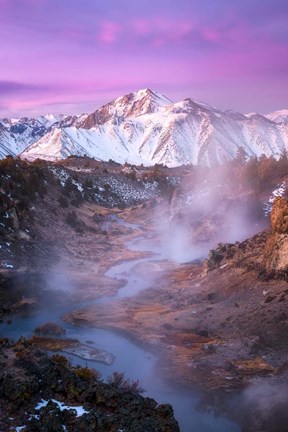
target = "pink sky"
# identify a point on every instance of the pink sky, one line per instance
(72, 56)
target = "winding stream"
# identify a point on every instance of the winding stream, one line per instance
(130, 358)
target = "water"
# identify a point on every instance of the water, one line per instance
(129, 270)
(136, 362)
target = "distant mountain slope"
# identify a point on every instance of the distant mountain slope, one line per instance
(17, 135)
(146, 127)
(280, 116)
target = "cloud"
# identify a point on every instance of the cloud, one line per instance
(12, 87)
(109, 31)
(156, 31)
(210, 49)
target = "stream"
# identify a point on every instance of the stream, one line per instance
(136, 362)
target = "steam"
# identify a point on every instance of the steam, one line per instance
(264, 405)
(265, 396)
(180, 248)
(207, 209)
(59, 279)
(60, 286)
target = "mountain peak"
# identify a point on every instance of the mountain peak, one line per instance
(141, 102)
(144, 101)
(150, 94)
(146, 127)
(146, 92)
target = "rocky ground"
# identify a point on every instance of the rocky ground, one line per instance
(39, 393)
(219, 325)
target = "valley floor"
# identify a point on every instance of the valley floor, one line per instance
(219, 328)
(218, 325)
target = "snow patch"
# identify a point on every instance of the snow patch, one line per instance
(8, 266)
(62, 406)
(278, 192)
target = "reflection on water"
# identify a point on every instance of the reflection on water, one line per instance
(136, 362)
(129, 270)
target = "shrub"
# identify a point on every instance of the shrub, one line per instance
(72, 220)
(60, 360)
(87, 374)
(50, 328)
(7, 164)
(118, 380)
(134, 387)
(77, 200)
(63, 202)
(24, 358)
(88, 183)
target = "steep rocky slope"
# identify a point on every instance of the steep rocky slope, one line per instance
(276, 249)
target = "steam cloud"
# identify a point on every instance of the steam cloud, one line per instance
(209, 208)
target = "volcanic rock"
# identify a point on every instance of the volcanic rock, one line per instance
(28, 377)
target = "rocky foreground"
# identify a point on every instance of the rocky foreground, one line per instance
(38, 393)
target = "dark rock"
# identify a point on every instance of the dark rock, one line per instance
(34, 376)
(269, 298)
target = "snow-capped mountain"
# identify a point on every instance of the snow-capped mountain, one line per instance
(17, 134)
(49, 119)
(129, 106)
(278, 116)
(146, 127)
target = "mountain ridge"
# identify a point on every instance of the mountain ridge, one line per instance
(147, 128)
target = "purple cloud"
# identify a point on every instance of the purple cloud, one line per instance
(12, 87)
(79, 53)
(109, 31)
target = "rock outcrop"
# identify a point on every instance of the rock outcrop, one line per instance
(276, 248)
(42, 393)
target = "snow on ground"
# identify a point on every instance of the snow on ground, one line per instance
(62, 406)
(278, 192)
(121, 187)
(61, 174)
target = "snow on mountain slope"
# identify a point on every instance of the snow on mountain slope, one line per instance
(16, 135)
(61, 143)
(7, 143)
(280, 116)
(49, 119)
(132, 105)
(135, 104)
(145, 127)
